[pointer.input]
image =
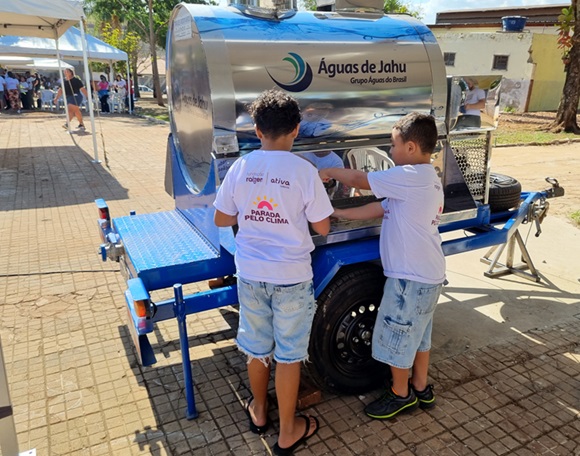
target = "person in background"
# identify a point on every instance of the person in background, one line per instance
(120, 85)
(74, 90)
(13, 90)
(30, 94)
(36, 89)
(2, 90)
(23, 90)
(473, 105)
(412, 260)
(103, 92)
(130, 100)
(273, 262)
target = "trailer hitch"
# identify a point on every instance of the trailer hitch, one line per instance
(555, 190)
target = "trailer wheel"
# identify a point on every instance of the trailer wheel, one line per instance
(504, 192)
(340, 342)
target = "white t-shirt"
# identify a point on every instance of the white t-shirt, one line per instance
(275, 194)
(472, 97)
(331, 160)
(410, 239)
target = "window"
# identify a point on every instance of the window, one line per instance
(449, 58)
(500, 62)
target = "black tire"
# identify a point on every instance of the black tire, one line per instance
(340, 344)
(504, 192)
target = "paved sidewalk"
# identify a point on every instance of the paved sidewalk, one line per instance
(506, 354)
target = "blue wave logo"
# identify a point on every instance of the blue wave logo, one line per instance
(302, 77)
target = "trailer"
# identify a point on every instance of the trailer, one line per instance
(355, 72)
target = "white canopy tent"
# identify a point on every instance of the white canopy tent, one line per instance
(39, 17)
(26, 63)
(69, 45)
(48, 19)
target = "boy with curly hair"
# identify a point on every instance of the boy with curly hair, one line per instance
(273, 195)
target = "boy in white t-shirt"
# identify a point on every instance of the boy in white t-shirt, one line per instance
(273, 195)
(412, 260)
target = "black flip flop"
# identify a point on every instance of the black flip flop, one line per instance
(279, 451)
(253, 426)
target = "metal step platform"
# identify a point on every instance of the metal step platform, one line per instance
(164, 248)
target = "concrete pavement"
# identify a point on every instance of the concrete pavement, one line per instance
(506, 352)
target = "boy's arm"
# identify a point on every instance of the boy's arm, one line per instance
(221, 219)
(351, 177)
(322, 227)
(366, 212)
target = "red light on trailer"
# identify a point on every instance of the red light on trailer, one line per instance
(104, 213)
(141, 308)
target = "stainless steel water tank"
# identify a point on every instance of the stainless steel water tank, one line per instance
(354, 75)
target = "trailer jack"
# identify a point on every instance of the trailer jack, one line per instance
(537, 212)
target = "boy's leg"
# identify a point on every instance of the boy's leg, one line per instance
(420, 370)
(259, 375)
(400, 381)
(287, 382)
(293, 307)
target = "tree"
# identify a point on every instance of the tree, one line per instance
(569, 42)
(401, 7)
(147, 18)
(127, 41)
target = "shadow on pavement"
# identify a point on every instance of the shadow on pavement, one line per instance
(41, 177)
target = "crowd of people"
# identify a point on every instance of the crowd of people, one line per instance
(119, 85)
(22, 91)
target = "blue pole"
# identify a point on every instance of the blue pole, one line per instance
(179, 308)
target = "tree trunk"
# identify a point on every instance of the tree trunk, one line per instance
(568, 108)
(156, 83)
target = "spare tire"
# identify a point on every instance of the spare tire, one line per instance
(504, 192)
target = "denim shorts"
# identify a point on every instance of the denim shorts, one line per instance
(75, 99)
(404, 321)
(275, 319)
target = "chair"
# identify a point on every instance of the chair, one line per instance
(116, 102)
(367, 160)
(46, 97)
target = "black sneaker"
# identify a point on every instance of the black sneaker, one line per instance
(389, 405)
(426, 397)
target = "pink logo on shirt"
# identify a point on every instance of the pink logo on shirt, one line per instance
(265, 212)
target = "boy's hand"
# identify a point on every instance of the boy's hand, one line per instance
(323, 173)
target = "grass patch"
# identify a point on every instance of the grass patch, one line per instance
(503, 137)
(575, 216)
(155, 113)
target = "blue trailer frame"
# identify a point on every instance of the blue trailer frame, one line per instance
(162, 250)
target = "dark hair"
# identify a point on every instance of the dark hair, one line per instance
(103, 77)
(11, 75)
(419, 128)
(275, 113)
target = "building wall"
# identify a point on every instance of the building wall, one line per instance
(534, 78)
(474, 54)
(549, 75)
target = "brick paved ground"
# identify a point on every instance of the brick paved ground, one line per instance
(78, 390)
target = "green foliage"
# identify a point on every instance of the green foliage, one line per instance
(135, 14)
(129, 42)
(575, 216)
(505, 136)
(309, 5)
(565, 27)
(509, 109)
(401, 7)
